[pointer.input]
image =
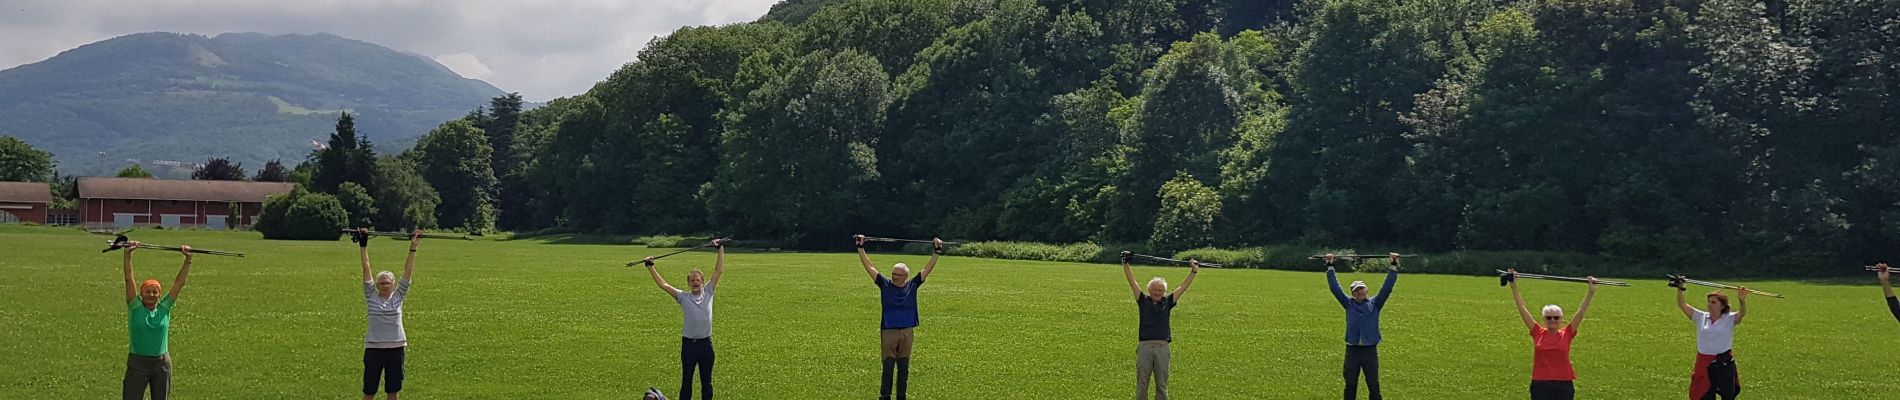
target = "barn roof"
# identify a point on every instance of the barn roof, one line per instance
(26, 192)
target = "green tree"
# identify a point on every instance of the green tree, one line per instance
(219, 169)
(302, 215)
(404, 201)
(134, 171)
(273, 171)
(1186, 218)
(358, 204)
(20, 162)
(454, 159)
(800, 144)
(1189, 111)
(512, 192)
(347, 157)
(955, 147)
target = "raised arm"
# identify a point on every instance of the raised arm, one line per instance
(719, 263)
(1741, 303)
(409, 265)
(1130, 273)
(178, 283)
(1577, 321)
(1194, 268)
(936, 249)
(362, 251)
(1893, 304)
(657, 280)
(131, 284)
(1885, 286)
(1332, 282)
(1683, 304)
(864, 258)
(1522, 312)
(1385, 290)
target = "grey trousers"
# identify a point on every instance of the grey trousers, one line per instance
(143, 371)
(1151, 359)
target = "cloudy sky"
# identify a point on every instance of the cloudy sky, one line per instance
(541, 48)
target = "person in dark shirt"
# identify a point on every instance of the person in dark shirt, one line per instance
(1152, 355)
(1362, 327)
(1893, 305)
(899, 296)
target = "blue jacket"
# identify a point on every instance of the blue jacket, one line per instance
(1362, 317)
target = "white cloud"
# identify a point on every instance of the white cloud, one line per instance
(541, 48)
(465, 64)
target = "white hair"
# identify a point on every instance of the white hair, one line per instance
(1155, 280)
(901, 267)
(385, 276)
(1553, 309)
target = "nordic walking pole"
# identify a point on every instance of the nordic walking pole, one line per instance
(1505, 278)
(400, 235)
(714, 242)
(1358, 256)
(1127, 254)
(1676, 281)
(121, 242)
(893, 240)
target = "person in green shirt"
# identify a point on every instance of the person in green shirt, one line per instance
(149, 321)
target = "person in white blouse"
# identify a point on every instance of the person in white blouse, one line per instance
(1715, 371)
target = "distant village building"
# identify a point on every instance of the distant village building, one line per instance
(25, 202)
(119, 203)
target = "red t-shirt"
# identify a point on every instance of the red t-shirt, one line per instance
(1552, 362)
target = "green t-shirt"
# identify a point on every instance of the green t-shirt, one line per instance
(151, 329)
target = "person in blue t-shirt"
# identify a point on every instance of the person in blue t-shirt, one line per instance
(1362, 327)
(900, 315)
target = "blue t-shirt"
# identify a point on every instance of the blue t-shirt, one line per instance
(900, 303)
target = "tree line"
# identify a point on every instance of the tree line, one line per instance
(1755, 133)
(1673, 130)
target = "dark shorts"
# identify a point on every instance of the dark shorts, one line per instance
(1553, 390)
(385, 364)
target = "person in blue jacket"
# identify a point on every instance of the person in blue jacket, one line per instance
(1362, 326)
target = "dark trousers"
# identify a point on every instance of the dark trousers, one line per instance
(144, 371)
(901, 365)
(696, 354)
(385, 364)
(1553, 390)
(1723, 378)
(1366, 359)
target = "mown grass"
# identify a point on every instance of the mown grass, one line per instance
(534, 319)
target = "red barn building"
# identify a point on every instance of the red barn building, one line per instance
(120, 203)
(24, 202)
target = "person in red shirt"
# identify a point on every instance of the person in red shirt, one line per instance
(1551, 375)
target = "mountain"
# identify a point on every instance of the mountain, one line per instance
(156, 97)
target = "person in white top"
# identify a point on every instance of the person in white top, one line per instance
(1715, 371)
(696, 349)
(384, 340)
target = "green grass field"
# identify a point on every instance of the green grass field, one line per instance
(533, 319)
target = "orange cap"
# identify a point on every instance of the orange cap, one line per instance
(149, 283)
